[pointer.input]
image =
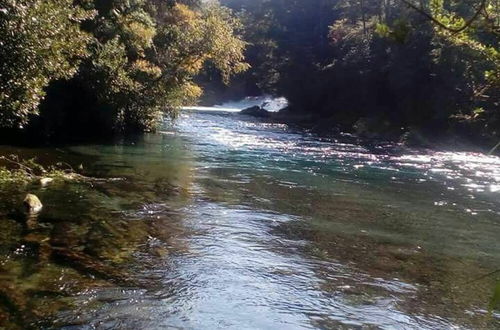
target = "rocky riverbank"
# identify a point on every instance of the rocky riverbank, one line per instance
(373, 130)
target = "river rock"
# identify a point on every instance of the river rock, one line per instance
(32, 204)
(255, 111)
(373, 128)
(413, 138)
(45, 181)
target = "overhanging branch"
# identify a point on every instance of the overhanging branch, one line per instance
(468, 23)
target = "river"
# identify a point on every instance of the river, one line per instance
(225, 221)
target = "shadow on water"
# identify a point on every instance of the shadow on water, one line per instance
(89, 234)
(222, 221)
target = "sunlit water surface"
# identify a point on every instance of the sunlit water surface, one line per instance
(224, 221)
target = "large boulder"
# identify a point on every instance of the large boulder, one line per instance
(255, 111)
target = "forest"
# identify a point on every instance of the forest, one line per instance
(380, 67)
(377, 67)
(87, 68)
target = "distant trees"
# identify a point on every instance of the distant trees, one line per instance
(428, 64)
(109, 65)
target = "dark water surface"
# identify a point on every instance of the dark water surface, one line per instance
(223, 221)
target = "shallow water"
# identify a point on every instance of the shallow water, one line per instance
(224, 221)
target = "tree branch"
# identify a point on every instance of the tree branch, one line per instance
(424, 13)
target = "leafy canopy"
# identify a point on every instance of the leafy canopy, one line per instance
(134, 59)
(41, 40)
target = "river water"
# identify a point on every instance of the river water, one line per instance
(225, 221)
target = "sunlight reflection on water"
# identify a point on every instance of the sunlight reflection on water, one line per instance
(224, 221)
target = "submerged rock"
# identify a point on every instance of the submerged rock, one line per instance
(32, 204)
(88, 264)
(255, 111)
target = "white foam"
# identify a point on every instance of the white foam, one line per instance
(267, 102)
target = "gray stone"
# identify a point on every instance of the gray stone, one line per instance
(255, 111)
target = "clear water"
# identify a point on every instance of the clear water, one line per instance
(224, 221)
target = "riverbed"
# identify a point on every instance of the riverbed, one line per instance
(221, 220)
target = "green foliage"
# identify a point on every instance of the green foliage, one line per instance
(147, 69)
(135, 61)
(382, 30)
(425, 64)
(398, 32)
(41, 40)
(471, 45)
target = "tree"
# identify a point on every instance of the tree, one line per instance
(112, 66)
(429, 65)
(40, 41)
(146, 55)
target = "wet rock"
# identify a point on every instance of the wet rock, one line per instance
(32, 204)
(45, 181)
(376, 128)
(415, 139)
(371, 128)
(255, 111)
